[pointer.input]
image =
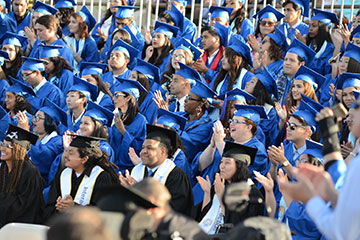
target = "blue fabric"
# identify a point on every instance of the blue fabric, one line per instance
(53, 93)
(260, 135)
(107, 103)
(197, 134)
(270, 127)
(165, 64)
(224, 88)
(64, 82)
(14, 121)
(4, 85)
(182, 162)
(65, 52)
(65, 30)
(70, 125)
(321, 65)
(105, 147)
(108, 77)
(247, 28)
(189, 31)
(302, 27)
(133, 137)
(148, 108)
(104, 53)
(211, 75)
(324, 95)
(4, 125)
(24, 23)
(97, 26)
(90, 52)
(43, 155)
(7, 24)
(275, 68)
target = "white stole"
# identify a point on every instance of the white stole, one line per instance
(322, 50)
(213, 218)
(71, 41)
(161, 173)
(84, 192)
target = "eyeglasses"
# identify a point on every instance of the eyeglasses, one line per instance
(264, 23)
(27, 75)
(118, 94)
(293, 126)
(37, 118)
(236, 121)
(192, 99)
(178, 56)
(5, 145)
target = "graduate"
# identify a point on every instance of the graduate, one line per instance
(31, 72)
(233, 168)
(12, 44)
(58, 70)
(156, 150)
(92, 72)
(21, 14)
(20, 181)
(129, 125)
(293, 10)
(220, 15)
(239, 23)
(79, 40)
(7, 23)
(40, 9)
(149, 77)
(87, 170)
(158, 52)
(76, 99)
(121, 55)
(214, 40)
(348, 82)
(65, 9)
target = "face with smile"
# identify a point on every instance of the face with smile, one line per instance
(297, 88)
(87, 126)
(153, 153)
(6, 149)
(73, 160)
(266, 26)
(238, 127)
(348, 96)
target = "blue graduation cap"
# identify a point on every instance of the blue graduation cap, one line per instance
(325, 17)
(6, 4)
(352, 51)
(176, 16)
(3, 55)
(151, 72)
(44, 8)
(348, 80)
(54, 111)
(279, 38)
(356, 94)
(88, 18)
(308, 113)
(183, 2)
(65, 4)
(304, 5)
(134, 40)
(125, 11)
(4, 123)
(202, 90)
(128, 86)
(167, 29)
(21, 88)
(237, 94)
(190, 48)
(171, 119)
(252, 112)
(239, 46)
(223, 33)
(315, 105)
(33, 64)
(99, 113)
(88, 89)
(48, 51)
(269, 12)
(190, 75)
(9, 38)
(217, 11)
(310, 76)
(314, 149)
(356, 32)
(127, 49)
(268, 81)
(303, 51)
(91, 68)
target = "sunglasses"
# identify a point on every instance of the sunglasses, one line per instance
(264, 23)
(293, 126)
(118, 94)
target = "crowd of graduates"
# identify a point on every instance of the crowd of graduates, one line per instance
(86, 104)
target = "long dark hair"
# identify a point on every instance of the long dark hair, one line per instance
(275, 52)
(144, 81)
(132, 110)
(234, 72)
(322, 36)
(65, 18)
(60, 64)
(239, 17)
(353, 66)
(99, 129)
(242, 172)
(50, 125)
(50, 21)
(167, 75)
(108, 12)
(158, 60)
(21, 104)
(262, 95)
(15, 65)
(98, 157)
(101, 85)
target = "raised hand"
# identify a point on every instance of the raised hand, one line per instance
(253, 43)
(219, 185)
(23, 120)
(135, 159)
(281, 111)
(160, 102)
(204, 184)
(267, 182)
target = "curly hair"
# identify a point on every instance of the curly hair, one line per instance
(21, 104)
(275, 52)
(65, 16)
(83, 27)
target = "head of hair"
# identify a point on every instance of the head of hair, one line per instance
(322, 36)
(15, 64)
(210, 30)
(262, 95)
(242, 172)
(239, 17)
(157, 59)
(50, 21)
(65, 16)
(132, 110)
(81, 95)
(304, 124)
(275, 52)
(50, 124)
(252, 124)
(101, 85)
(309, 92)
(142, 79)
(21, 104)
(99, 129)
(83, 27)
(108, 12)
(167, 17)
(294, 6)
(170, 71)
(314, 161)
(60, 64)
(125, 36)
(353, 66)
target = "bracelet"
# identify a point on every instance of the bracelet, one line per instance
(352, 154)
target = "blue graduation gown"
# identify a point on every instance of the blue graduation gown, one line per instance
(97, 26)
(240, 83)
(247, 29)
(4, 125)
(4, 85)
(212, 74)
(90, 52)
(64, 82)
(70, 125)
(106, 102)
(197, 134)
(324, 96)
(275, 68)
(65, 30)
(270, 128)
(109, 78)
(24, 23)
(165, 64)
(149, 108)
(42, 155)
(53, 93)
(320, 64)
(302, 27)
(105, 147)
(7, 23)
(103, 55)
(133, 137)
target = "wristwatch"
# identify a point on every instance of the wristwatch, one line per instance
(285, 163)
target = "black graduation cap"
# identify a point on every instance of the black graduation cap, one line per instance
(240, 152)
(20, 136)
(163, 135)
(117, 198)
(85, 142)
